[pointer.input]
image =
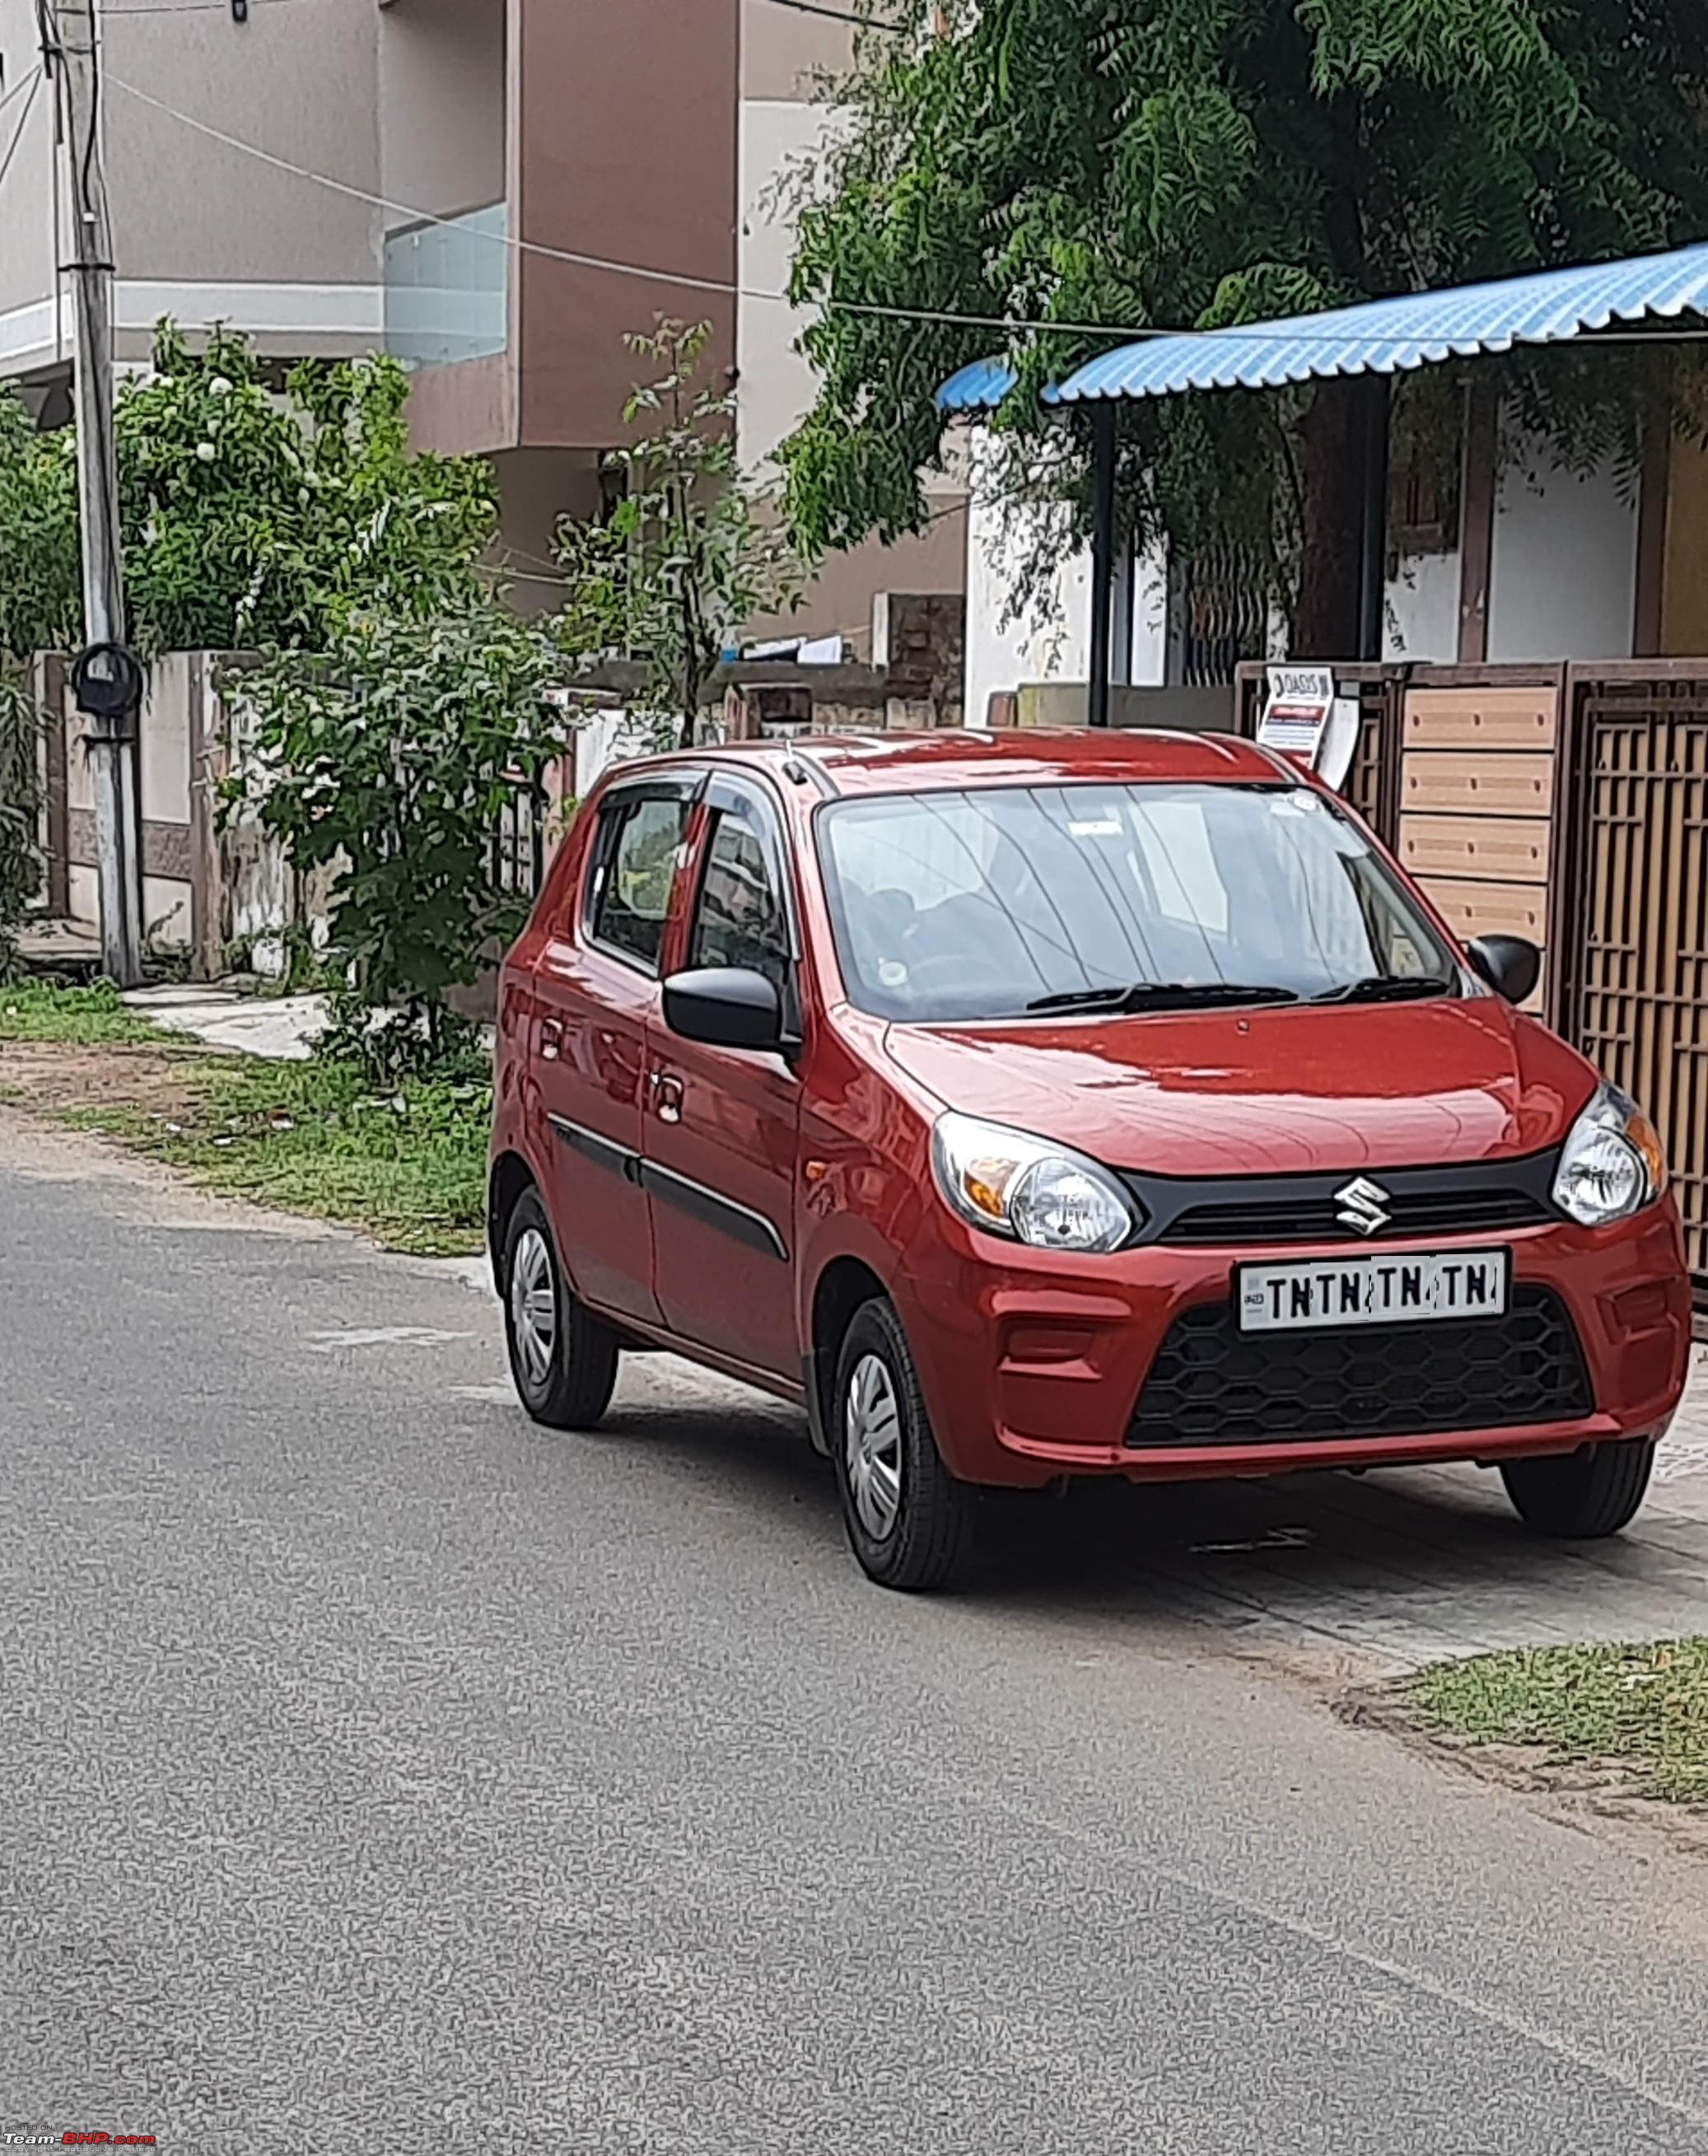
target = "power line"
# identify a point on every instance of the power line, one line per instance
(17, 131)
(112, 7)
(841, 15)
(950, 318)
(945, 317)
(109, 11)
(21, 85)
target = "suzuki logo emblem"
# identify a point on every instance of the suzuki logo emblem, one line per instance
(1363, 1206)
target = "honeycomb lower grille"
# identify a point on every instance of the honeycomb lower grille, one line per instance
(1213, 1384)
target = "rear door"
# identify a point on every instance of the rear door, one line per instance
(597, 983)
(722, 1130)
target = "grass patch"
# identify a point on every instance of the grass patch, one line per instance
(1643, 1710)
(90, 1017)
(409, 1167)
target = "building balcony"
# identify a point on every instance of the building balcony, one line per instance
(447, 288)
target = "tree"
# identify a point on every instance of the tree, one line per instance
(20, 801)
(685, 560)
(397, 698)
(248, 518)
(1147, 164)
(390, 760)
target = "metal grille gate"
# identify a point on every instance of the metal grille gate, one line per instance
(1634, 894)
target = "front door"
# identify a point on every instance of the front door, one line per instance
(597, 986)
(721, 1128)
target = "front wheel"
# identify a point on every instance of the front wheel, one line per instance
(1584, 1495)
(911, 1523)
(564, 1358)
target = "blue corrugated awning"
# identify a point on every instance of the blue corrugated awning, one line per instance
(1379, 337)
(980, 388)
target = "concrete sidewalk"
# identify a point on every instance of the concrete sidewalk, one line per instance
(281, 1028)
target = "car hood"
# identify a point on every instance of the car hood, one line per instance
(1265, 1092)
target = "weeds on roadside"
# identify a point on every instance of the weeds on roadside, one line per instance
(83, 1017)
(404, 1161)
(1640, 1709)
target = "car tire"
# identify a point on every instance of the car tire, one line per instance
(564, 1358)
(1584, 1495)
(910, 1521)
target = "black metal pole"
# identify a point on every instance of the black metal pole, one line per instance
(1372, 605)
(1102, 557)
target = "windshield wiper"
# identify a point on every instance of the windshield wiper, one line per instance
(1163, 995)
(1387, 988)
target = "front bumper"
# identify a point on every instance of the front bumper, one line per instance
(1033, 1365)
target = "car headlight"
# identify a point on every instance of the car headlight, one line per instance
(1612, 1165)
(1028, 1189)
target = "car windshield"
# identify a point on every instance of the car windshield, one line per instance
(1003, 901)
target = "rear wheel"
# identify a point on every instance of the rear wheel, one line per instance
(564, 1358)
(1585, 1495)
(911, 1523)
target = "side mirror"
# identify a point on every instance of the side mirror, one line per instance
(1510, 965)
(725, 1007)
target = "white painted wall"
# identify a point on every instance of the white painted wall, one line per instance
(1045, 644)
(1423, 608)
(1148, 658)
(1562, 583)
(1049, 643)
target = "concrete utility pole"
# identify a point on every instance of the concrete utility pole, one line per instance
(111, 733)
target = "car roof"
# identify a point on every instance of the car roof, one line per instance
(968, 756)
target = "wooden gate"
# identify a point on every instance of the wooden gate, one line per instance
(1633, 911)
(1477, 790)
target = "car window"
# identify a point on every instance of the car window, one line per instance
(739, 919)
(634, 866)
(996, 901)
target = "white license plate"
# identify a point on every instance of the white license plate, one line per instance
(1401, 1290)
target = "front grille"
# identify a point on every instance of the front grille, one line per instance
(1213, 1384)
(1473, 1198)
(1427, 1213)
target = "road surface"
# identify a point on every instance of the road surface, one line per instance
(383, 1772)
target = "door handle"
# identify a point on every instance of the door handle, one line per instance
(551, 1039)
(667, 1094)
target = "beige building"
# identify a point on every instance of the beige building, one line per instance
(651, 132)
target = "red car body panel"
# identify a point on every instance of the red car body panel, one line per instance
(1268, 1092)
(1031, 1361)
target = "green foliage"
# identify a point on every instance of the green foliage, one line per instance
(1644, 1707)
(390, 762)
(249, 516)
(407, 1165)
(86, 1016)
(684, 560)
(20, 804)
(40, 597)
(1168, 163)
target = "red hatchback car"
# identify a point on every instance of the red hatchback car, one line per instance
(1031, 1105)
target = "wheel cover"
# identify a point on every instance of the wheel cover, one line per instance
(533, 1304)
(872, 1446)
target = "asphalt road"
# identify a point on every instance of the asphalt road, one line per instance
(382, 1772)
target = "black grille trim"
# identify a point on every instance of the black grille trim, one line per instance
(1273, 1211)
(1213, 1384)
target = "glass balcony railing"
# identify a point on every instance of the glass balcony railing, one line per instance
(448, 288)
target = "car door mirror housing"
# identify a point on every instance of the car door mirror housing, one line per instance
(726, 1007)
(1511, 965)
